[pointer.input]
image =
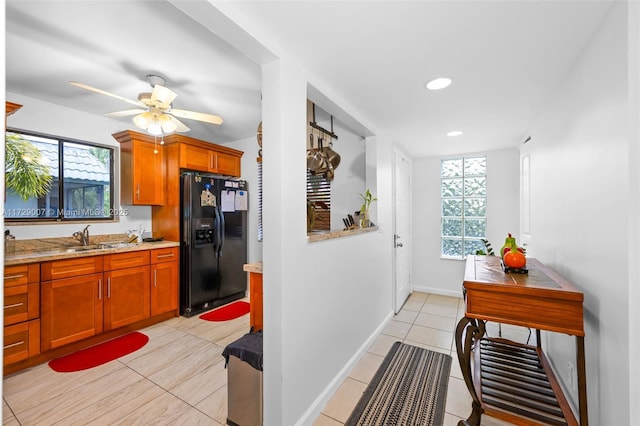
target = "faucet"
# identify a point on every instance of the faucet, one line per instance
(83, 236)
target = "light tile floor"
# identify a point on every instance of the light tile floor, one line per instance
(179, 378)
(428, 321)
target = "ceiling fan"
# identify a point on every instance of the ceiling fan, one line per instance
(154, 112)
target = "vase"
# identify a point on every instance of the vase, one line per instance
(364, 219)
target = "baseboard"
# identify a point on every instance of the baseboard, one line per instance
(316, 408)
(439, 291)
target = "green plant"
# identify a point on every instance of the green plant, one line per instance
(368, 198)
(487, 246)
(26, 171)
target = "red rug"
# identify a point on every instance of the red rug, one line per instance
(227, 312)
(100, 354)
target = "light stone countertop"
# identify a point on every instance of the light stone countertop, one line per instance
(253, 267)
(329, 235)
(30, 256)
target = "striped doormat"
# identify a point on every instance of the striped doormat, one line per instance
(409, 388)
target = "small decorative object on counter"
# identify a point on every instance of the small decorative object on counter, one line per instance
(368, 198)
(9, 242)
(513, 257)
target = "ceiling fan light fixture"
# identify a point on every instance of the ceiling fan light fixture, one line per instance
(143, 120)
(155, 128)
(168, 125)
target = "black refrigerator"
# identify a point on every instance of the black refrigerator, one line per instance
(213, 232)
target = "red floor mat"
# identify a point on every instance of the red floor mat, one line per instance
(100, 354)
(227, 312)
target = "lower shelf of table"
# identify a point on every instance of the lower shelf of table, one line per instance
(515, 381)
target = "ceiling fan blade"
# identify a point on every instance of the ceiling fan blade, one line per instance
(180, 126)
(200, 116)
(125, 113)
(102, 92)
(161, 97)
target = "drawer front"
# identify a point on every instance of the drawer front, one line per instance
(169, 254)
(67, 268)
(21, 341)
(126, 260)
(21, 274)
(21, 303)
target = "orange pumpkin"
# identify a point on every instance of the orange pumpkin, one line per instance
(514, 259)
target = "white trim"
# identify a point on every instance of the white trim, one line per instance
(315, 409)
(439, 291)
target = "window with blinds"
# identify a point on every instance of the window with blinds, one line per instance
(319, 197)
(260, 199)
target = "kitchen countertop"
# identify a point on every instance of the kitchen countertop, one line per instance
(253, 267)
(29, 256)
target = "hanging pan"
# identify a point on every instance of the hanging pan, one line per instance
(332, 156)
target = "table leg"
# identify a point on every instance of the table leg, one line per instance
(582, 381)
(468, 332)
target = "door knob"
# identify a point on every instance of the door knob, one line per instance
(399, 245)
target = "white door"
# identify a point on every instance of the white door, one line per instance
(402, 235)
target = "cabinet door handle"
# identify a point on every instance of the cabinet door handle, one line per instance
(155, 277)
(160, 256)
(14, 344)
(138, 192)
(109, 287)
(13, 277)
(15, 305)
(99, 288)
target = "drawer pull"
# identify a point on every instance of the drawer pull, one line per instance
(15, 305)
(109, 287)
(99, 288)
(14, 345)
(13, 277)
(165, 255)
(155, 278)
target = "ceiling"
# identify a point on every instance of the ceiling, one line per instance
(506, 59)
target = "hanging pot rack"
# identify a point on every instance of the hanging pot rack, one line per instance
(320, 128)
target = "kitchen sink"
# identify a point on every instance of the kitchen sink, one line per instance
(99, 247)
(85, 248)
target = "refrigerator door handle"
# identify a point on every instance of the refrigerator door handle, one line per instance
(186, 209)
(221, 230)
(216, 230)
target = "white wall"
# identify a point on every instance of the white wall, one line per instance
(579, 226)
(444, 276)
(249, 173)
(44, 117)
(311, 290)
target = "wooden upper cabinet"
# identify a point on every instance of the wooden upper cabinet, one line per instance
(196, 158)
(142, 168)
(11, 107)
(205, 157)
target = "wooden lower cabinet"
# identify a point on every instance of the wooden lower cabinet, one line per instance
(21, 312)
(164, 290)
(62, 302)
(127, 298)
(71, 310)
(21, 341)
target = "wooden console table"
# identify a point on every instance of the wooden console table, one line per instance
(508, 380)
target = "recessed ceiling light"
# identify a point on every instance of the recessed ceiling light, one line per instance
(438, 83)
(455, 133)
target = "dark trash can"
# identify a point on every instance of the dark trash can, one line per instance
(244, 380)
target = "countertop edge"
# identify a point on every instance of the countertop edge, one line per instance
(322, 236)
(44, 256)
